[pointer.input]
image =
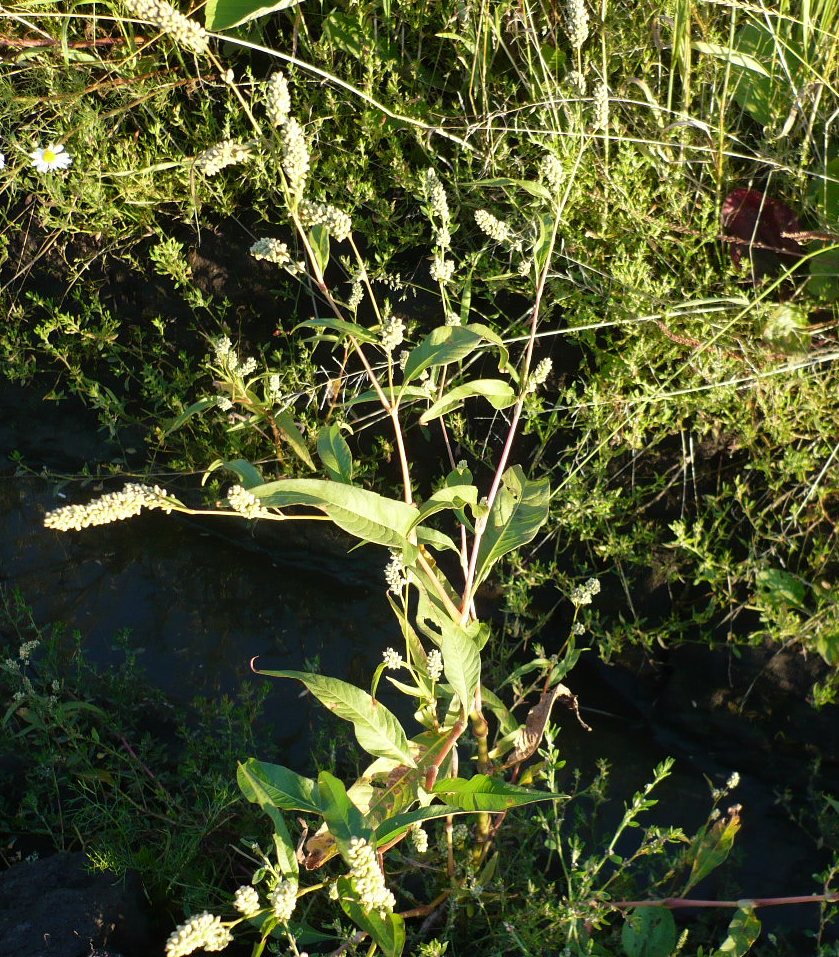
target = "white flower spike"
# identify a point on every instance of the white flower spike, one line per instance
(45, 159)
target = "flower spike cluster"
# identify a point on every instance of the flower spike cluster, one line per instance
(113, 507)
(206, 930)
(367, 878)
(183, 30)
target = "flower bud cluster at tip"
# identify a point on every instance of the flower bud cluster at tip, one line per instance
(295, 155)
(576, 22)
(392, 659)
(539, 375)
(419, 838)
(336, 221)
(552, 173)
(172, 22)
(355, 297)
(113, 507)
(277, 99)
(284, 899)
(434, 663)
(246, 900)
(245, 503)
(271, 250)
(223, 154)
(367, 878)
(203, 931)
(583, 594)
(435, 195)
(396, 574)
(494, 228)
(226, 357)
(442, 269)
(600, 106)
(392, 333)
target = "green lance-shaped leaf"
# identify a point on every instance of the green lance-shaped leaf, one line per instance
(254, 790)
(364, 514)
(498, 393)
(503, 352)
(711, 847)
(260, 781)
(249, 475)
(507, 723)
(225, 14)
(393, 827)
(343, 819)
(518, 512)
(441, 346)
(461, 663)
(340, 326)
(335, 454)
(196, 408)
(649, 932)
(435, 539)
(743, 931)
(449, 497)
(543, 244)
(387, 930)
(529, 186)
(376, 728)
(485, 793)
(767, 67)
(288, 427)
(319, 236)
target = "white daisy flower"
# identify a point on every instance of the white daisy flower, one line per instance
(2, 160)
(50, 157)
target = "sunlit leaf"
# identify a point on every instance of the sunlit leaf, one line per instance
(461, 663)
(340, 326)
(260, 781)
(387, 931)
(449, 497)
(711, 847)
(258, 789)
(440, 347)
(518, 512)
(224, 14)
(743, 931)
(390, 829)
(484, 793)
(364, 514)
(498, 393)
(335, 454)
(320, 246)
(376, 728)
(343, 819)
(288, 428)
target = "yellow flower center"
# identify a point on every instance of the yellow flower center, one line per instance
(50, 156)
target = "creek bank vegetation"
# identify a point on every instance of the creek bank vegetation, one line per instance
(586, 259)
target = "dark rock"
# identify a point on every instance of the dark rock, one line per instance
(56, 908)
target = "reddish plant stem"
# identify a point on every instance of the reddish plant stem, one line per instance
(434, 770)
(675, 902)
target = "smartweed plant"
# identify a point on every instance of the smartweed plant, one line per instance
(412, 779)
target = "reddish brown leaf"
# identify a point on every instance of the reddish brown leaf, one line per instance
(762, 227)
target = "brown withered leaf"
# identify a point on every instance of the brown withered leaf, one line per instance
(537, 720)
